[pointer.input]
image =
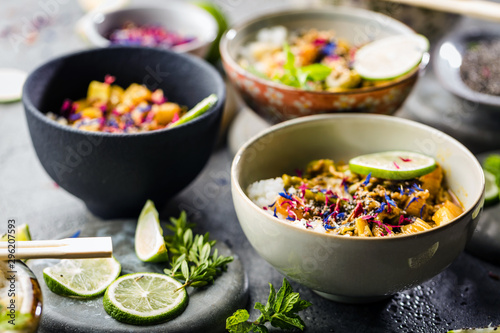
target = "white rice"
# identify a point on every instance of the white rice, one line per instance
(265, 192)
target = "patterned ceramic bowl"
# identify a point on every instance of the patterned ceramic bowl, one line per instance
(276, 102)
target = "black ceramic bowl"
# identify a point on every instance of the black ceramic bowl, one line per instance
(114, 174)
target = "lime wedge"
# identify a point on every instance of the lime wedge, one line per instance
(11, 84)
(393, 165)
(390, 57)
(145, 298)
(491, 189)
(22, 234)
(81, 278)
(214, 10)
(149, 241)
(198, 110)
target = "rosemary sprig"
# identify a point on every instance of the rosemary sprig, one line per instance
(192, 260)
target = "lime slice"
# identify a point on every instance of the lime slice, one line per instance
(213, 54)
(81, 278)
(22, 234)
(476, 330)
(145, 298)
(491, 189)
(11, 84)
(393, 165)
(390, 57)
(197, 111)
(149, 241)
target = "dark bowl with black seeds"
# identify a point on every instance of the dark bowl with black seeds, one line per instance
(466, 63)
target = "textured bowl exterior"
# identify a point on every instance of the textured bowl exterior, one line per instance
(114, 174)
(353, 269)
(276, 102)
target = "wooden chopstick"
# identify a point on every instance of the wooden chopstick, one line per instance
(482, 9)
(68, 248)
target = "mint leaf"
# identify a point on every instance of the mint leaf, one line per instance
(280, 311)
(238, 322)
(283, 292)
(300, 305)
(259, 328)
(287, 322)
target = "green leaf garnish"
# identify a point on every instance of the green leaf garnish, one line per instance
(280, 311)
(299, 76)
(192, 260)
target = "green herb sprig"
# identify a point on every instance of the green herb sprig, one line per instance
(299, 76)
(280, 311)
(192, 260)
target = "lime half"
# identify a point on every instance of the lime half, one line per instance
(81, 278)
(198, 110)
(393, 165)
(390, 57)
(149, 241)
(491, 188)
(145, 298)
(22, 234)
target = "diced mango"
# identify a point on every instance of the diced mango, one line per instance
(446, 213)
(98, 91)
(135, 94)
(80, 104)
(432, 181)
(413, 207)
(116, 94)
(91, 112)
(418, 225)
(164, 113)
(360, 227)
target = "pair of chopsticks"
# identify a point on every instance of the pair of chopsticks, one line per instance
(67, 248)
(482, 9)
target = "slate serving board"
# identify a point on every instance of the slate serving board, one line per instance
(207, 310)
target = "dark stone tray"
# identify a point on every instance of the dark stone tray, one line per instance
(207, 310)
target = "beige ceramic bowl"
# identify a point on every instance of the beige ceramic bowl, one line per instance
(352, 269)
(276, 102)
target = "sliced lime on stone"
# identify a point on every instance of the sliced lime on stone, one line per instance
(395, 165)
(11, 84)
(22, 234)
(491, 191)
(81, 278)
(390, 57)
(145, 298)
(477, 330)
(149, 241)
(198, 110)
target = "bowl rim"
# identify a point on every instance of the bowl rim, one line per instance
(443, 71)
(196, 61)
(478, 202)
(95, 38)
(231, 33)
